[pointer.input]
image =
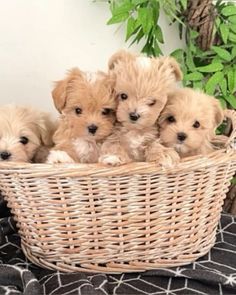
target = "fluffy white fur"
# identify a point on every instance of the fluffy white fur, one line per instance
(25, 134)
(141, 87)
(85, 101)
(188, 122)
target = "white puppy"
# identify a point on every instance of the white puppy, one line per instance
(25, 134)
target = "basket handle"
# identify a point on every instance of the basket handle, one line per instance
(230, 142)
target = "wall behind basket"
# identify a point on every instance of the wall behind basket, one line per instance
(41, 39)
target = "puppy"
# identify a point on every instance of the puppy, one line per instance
(141, 89)
(87, 106)
(188, 122)
(25, 134)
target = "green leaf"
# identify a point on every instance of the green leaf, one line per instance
(130, 28)
(195, 76)
(222, 53)
(233, 52)
(118, 18)
(198, 85)
(232, 37)
(223, 86)
(231, 100)
(192, 47)
(233, 180)
(193, 34)
(217, 22)
(145, 18)
(121, 6)
(138, 37)
(212, 82)
(155, 10)
(232, 19)
(178, 54)
(137, 2)
(223, 103)
(211, 68)
(229, 10)
(234, 80)
(233, 28)
(120, 12)
(157, 49)
(158, 34)
(184, 4)
(231, 83)
(189, 60)
(224, 32)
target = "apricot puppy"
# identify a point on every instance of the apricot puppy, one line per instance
(188, 122)
(25, 134)
(87, 107)
(141, 89)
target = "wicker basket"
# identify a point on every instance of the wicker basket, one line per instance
(130, 218)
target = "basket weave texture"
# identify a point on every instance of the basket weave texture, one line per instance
(80, 217)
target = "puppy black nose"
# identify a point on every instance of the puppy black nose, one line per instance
(134, 116)
(92, 128)
(5, 155)
(181, 136)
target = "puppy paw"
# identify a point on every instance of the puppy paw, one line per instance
(167, 158)
(56, 157)
(113, 160)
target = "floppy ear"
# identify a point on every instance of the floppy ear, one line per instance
(109, 82)
(60, 91)
(170, 64)
(176, 69)
(218, 112)
(119, 56)
(46, 128)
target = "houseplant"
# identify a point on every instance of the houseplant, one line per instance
(208, 58)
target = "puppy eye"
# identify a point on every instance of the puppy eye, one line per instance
(171, 119)
(123, 96)
(78, 111)
(107, 111)
(196, 124)
(24, 140)
(152, 103)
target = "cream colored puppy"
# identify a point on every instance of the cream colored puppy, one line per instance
(188, 122)
(87, 106)
(141, 89)
(25, 134)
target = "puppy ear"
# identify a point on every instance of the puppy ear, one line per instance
(46, 128)
(119, 56)
(170, 64)
(218, 112)
(176, 69)
(62, 87)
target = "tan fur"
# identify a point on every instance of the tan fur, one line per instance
(92, 94)
(188, 106)
(145, 81)
(38, 127)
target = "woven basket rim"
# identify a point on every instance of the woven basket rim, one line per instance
(69, 170)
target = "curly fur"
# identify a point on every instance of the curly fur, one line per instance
(188, 106)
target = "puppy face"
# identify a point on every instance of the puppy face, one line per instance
(87, 105)
(22, 131)
(141, 87)
(189, 120)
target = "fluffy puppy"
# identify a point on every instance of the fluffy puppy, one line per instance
(87, 106)
(188, 122)
(25, 134)
(141, 89)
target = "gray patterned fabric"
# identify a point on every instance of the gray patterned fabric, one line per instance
(215, 273)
